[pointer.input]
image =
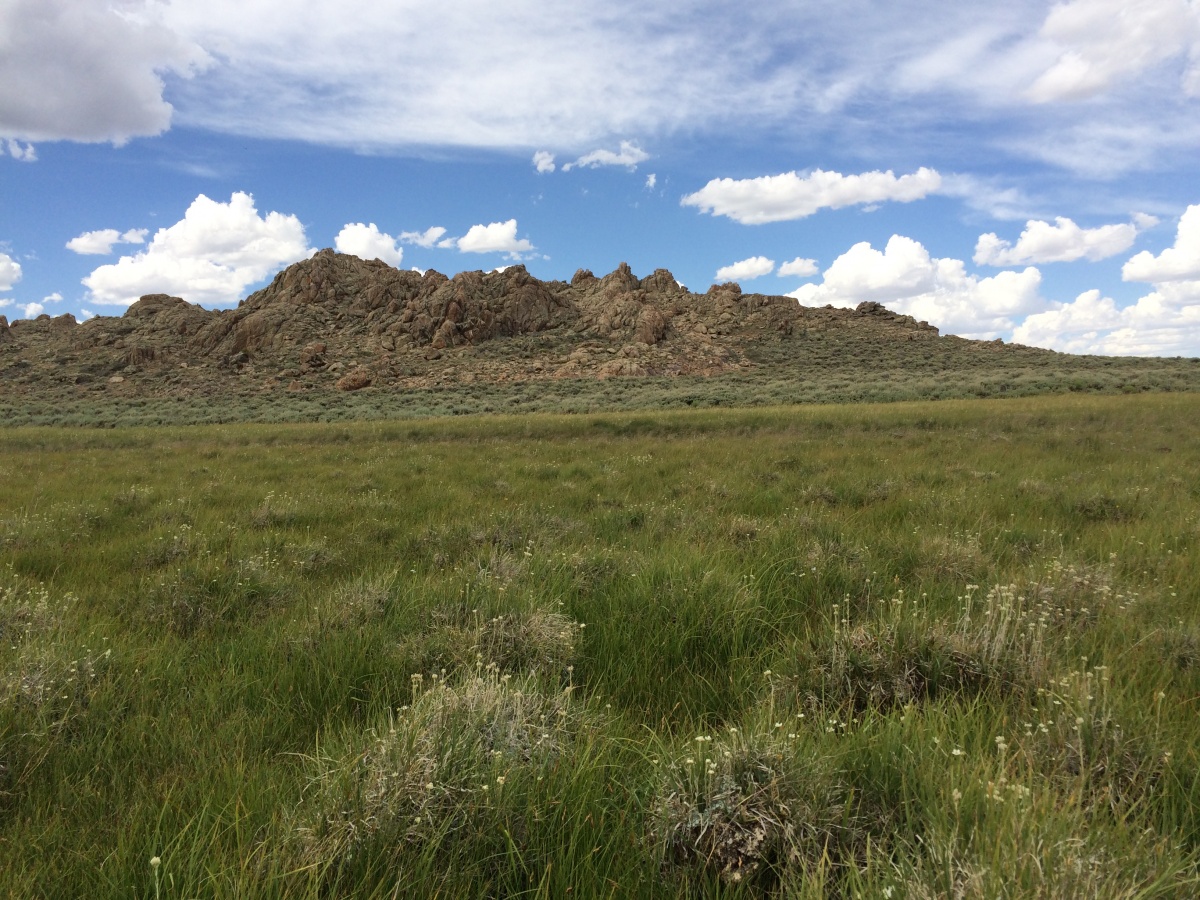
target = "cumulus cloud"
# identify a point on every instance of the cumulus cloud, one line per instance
(56, 297)
(779, 198)
(543, 161)
(498, 237)
(746, 269)
(798, 267)
(88, 70)
(1165, 322)
(368, 242)
(904, 278)
(628, 155)
(1103, 42)
(1178, 263)
(426, 238)
(100, 243)
(651, 181)
(1064, 241)
(10, 272)
(210, 256)
(32, 310)
(21, 152)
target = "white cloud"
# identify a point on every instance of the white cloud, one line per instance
(32, 310)
(585, 74)
(56, 297)
(367, 242)
(543, 161)
(498, 237)
(746, 269)
(1063, 241)
(628, 155)
(1104, 42)
(1165, 322)
(1144, 221)
(905, 279)
(100, 243)
(959, 75)
(778, 198)
(88, 70)
(208, 257)
(589, 74)
(1178, 263)
(86, 314)
(10, 272)
(94, 243)
(799, 266)
(651, 181)
(426, 238)
(22, 153)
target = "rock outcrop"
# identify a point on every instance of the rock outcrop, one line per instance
(341, 322)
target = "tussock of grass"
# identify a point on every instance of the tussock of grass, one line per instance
(211, 590)
(1078, 742)
(754, 806)
(903, 653)
(530, 641)
(436, 768)
(1030, 860)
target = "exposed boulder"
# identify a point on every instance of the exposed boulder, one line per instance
(354, 380)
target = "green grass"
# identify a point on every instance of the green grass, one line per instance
(907, 650)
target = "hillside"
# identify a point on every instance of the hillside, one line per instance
(334, 323)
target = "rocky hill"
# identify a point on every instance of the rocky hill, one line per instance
(336, 321)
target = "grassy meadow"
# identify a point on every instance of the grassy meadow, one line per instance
(912, 650)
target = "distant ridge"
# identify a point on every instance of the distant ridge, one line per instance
(337, 320)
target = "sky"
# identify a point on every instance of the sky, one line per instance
(1025, 170)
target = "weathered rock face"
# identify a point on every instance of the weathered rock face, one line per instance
(336, 320)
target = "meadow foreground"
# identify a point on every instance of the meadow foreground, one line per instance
(911, 650)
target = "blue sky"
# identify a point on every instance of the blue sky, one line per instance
(1027, 172)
